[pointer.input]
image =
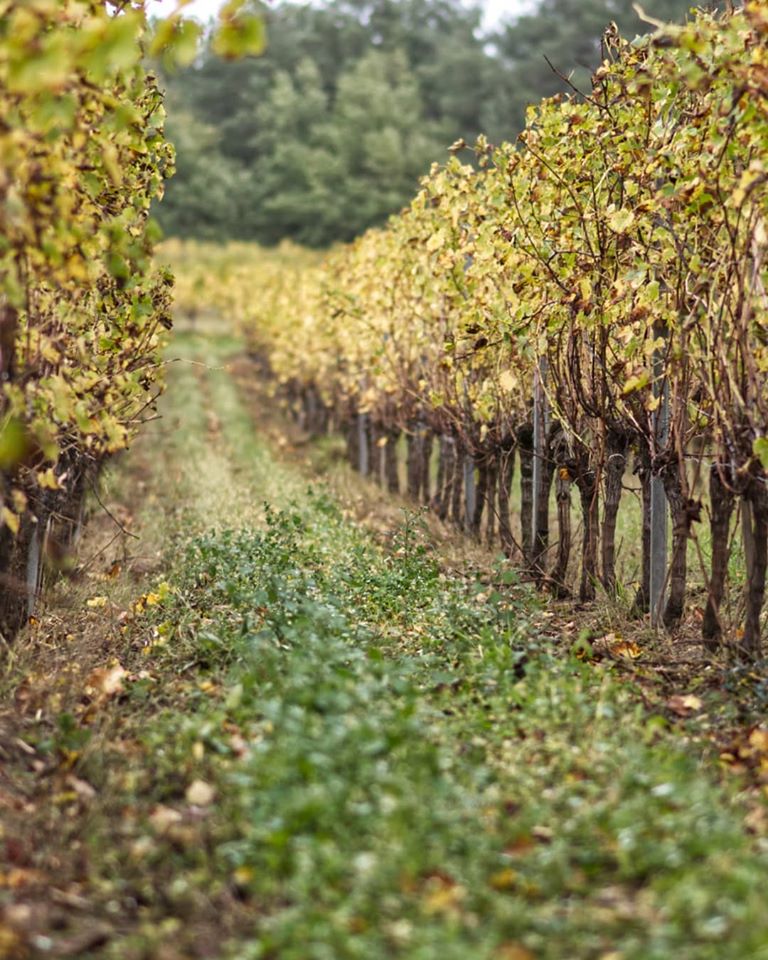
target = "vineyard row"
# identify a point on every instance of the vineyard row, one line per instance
(82, 306)
(589, 300)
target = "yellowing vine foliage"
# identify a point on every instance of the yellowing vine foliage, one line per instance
(82, 308)
(618, 253)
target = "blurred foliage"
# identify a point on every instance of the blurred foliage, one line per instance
(328, 132)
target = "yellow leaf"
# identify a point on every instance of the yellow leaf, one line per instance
(243, 876)
(10, 520)
(507, 381)
(157, 596)
(436, 241)
(684, 704)
(614, 646)
(636, 383)
(692, 702)
(625, 648)
(11, 943)
(112, 163)
(513, 951)
(443, 895)
(621, 220)
(504, 879)
(47, 479)
(200, 794)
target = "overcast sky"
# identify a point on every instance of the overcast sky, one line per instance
(494, 9)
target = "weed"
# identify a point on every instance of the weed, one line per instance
(404, 770)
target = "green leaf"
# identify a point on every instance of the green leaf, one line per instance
(13, 443)
(636, 383)
(239, 37)
(176, 39)
(651, 292)
(760, 449)
(115, 47)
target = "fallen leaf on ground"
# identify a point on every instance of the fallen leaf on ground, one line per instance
(200, 794)
(504, 879)
(243, 876)
(684, 704)
(443, 897)
(758, 740)
(756, 821)
(19, 877)
(514, 951)
(625, 648)
(543, 834)
(163, 818)
(612, 645)
(82, 788)
(520, 846)
(12, 946)
(749, 752)
(104, 682)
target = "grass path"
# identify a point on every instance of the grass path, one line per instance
(289, 743)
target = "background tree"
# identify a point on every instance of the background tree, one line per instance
(203, 203)
(329, 131)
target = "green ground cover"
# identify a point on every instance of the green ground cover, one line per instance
(326, 748)
(411, 774)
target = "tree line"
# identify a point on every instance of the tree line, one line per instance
(329, 131)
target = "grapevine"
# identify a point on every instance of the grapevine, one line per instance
(616, 253)
(82, 306)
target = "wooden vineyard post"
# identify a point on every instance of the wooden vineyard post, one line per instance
(659, 506)
(470, 491)
(468, 461)
(362, 444)
(34, 557)
(540, 486)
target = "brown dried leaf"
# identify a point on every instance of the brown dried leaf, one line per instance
(612, 645)
(626, 649)
(200, 794)
(81, 788)
(514, 951)
(105, 682)
(163, 818)
(684, 704)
